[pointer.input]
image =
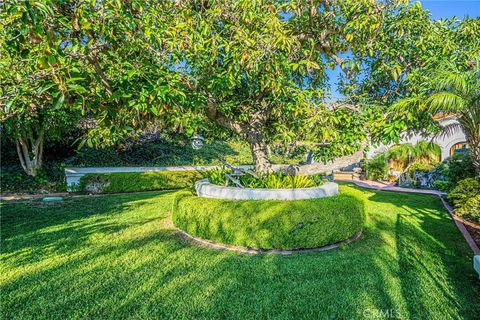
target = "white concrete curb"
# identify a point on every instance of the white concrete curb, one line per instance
(208, 190)
(73, 174)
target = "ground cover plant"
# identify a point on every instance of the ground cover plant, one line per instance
(271, 224)
(118, 256)
(159, 151)
(270, 180)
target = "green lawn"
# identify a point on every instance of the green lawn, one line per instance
(117, 256)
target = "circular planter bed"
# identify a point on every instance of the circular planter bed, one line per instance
(209, 190)
(271, 224)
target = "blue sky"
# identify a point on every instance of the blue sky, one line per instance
(447, 9)
(439, 9)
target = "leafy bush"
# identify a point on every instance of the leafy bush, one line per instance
(458, 167)
(376, 168)
(50, 178)
(267, 224)
(138, 181)
(470, 209)
(420, 167)
(442, 185)
(465, 198)
(427, 152)
(424, 152)
(272, 180)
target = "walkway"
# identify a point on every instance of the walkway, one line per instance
(391, 187)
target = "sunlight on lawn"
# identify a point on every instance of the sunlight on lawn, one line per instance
(119, 256)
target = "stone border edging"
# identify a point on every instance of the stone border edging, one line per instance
(460, 226)
(205, 189)
(220, 246)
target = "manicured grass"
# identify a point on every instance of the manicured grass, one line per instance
(272, 224)
(118, 256)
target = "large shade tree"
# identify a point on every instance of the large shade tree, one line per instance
(40, 87)
(259, 68)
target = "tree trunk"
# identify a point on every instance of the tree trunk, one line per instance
(30, 153)
(251, 131)
(259, 149)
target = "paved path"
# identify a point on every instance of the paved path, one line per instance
(391, 187)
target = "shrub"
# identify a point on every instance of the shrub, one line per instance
(420, 167)
(272, 180)
(50, 178)
(423, 152)
(465, 198)
(376, 168)
(138, 181)
(267, 224)
(458, 167)
(471, 209)
(442, 185)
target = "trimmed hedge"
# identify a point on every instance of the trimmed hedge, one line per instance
(138, 181)
(272, 224)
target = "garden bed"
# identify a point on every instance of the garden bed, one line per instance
(206, 189)
(271, 224)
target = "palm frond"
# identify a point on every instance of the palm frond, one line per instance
(469, 119)
(425, 151)
(460, 83)
(449, 130)
(445, 101)
(407, 103)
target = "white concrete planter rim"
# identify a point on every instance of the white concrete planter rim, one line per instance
(209, 190)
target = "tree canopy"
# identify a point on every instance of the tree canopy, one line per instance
(256, 69)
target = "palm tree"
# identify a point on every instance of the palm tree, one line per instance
(426, 152)
(456, 91)
(402, 155)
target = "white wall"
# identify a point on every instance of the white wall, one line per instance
(445, 142)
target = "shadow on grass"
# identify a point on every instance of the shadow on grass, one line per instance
(433, 257)
(129, 263)
(29, 233)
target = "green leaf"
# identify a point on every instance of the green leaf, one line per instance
(51, 59)
(59, 101)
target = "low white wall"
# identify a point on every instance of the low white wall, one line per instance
(73, 174)
(208, 190)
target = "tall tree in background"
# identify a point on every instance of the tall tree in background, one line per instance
(408, 48)
(258, 68)
(250, 75)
